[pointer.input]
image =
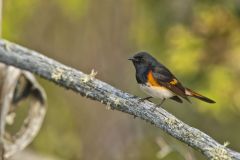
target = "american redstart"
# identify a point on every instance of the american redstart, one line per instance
(158, 82)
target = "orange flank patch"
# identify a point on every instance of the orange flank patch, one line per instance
(153, 82)
(151, 79)
(174, 82)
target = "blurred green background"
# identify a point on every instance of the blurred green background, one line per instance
(198, 40)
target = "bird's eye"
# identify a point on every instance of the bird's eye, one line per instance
(139, 58)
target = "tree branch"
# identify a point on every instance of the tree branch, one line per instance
(88, 86)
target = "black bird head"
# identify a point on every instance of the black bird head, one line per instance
(143, 59)
(143, 62)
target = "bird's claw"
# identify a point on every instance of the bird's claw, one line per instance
(146, 98)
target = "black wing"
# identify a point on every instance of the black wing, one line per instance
(165, 78)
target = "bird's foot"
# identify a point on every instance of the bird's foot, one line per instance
(154, 108)
(158, 105)
(146, 98)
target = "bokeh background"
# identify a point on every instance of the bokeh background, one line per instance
(198, 40)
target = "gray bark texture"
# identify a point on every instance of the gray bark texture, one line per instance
(90, 87)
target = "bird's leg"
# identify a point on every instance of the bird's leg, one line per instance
(163, 100)
(146, 98)
(158, 105)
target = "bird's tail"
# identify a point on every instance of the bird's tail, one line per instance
(191, 93)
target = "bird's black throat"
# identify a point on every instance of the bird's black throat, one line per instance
(141, 73)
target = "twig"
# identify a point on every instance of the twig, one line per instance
(13, 54)
(13, 143)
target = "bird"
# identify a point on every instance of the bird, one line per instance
(158, 81)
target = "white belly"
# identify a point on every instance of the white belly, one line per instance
(157, 92)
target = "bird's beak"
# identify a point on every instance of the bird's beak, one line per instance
(131, 58)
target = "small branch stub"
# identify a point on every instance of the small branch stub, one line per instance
(89, 77)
